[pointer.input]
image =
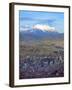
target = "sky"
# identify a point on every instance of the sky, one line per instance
(46, 21)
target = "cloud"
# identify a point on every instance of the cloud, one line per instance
(45, 20)
(43, 27)
(24, 28)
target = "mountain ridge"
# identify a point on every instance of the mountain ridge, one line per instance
(39, 34)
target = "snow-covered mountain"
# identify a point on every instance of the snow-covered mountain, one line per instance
(39, 34)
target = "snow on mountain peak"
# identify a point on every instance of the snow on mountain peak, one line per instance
(38, 27)
(44, 28)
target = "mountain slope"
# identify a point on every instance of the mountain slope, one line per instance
(39, 34)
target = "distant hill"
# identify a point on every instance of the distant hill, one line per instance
(39, 34)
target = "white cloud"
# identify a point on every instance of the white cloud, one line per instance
(43, 27)
(24, 28)
(37, 27)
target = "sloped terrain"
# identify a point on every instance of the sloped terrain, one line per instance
(41, 58)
